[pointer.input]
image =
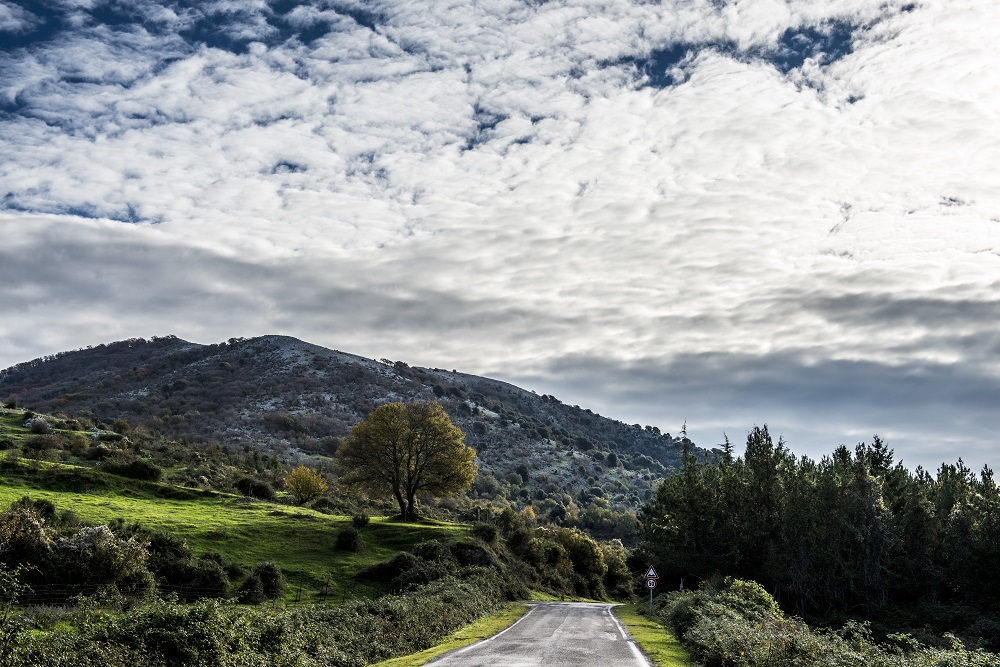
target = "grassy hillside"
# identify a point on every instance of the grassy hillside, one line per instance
(301, 541)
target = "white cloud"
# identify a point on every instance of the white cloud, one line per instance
(15, 19)
(487, 187)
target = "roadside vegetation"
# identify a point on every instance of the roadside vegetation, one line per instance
(476, 631)
(656, 641)
(888, 566)
(738, 623)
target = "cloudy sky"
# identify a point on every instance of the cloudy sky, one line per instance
(729, 212)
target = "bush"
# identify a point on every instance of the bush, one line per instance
(194, 579)
(305, 484)
(265, 582)
(43, 507)
(136, 469)
(271, 578)
(255, 488)
(98, 453)
(486, 532)
(206, 633)
(738, 625)
(41, 443)
(349, 539)
(39, 426)
(359, 521)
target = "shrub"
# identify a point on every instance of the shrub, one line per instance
(305, 484)
(251, 590)
(43, 507)
(255, 488)
(94, 559)
(271, 578)
(136, 469)
(98, 453)
(486, 532)
(38, 426)
(40, 443)
(265, 582)
(349, 539)
(195, 579)
(359, 521)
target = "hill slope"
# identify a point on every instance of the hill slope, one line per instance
(282, 395)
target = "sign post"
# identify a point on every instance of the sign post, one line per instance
(651, 578)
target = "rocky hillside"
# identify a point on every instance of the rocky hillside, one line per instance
(284, 396)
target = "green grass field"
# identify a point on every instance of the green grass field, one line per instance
(658, 643)
(301, 541)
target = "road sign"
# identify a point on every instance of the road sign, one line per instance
(651, 573)
(651, 584)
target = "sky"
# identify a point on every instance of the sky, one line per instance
(713, 212)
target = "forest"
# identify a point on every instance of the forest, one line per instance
(853, 537)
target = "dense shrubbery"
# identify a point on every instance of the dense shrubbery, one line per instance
(255, 488)
(136, 469)
(62, 561)
(123, 561)
(738, 624)
(210, 632)
(265, 582)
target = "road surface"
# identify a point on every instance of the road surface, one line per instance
(553, 634)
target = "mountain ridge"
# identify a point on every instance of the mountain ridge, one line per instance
(286, 396)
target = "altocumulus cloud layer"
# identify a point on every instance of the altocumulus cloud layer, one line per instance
(778, 211)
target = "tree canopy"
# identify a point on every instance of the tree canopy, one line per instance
(855, 531)
(406, 449)
(305, 484)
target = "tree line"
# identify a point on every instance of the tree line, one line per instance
(855, 533)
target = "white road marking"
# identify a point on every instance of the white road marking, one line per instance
(631, 642)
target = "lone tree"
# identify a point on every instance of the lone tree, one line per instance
(404, 450)
(305, 484)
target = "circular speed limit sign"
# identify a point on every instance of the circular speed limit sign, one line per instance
(651, 583)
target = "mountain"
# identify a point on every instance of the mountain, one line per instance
(287, 397)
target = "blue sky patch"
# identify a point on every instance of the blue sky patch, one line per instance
(655, 68)
(827, 43)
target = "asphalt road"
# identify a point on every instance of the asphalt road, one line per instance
(552, 634)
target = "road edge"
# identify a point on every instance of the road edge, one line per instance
(465, 637)
(658, 645)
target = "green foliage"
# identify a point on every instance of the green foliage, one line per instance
(255, 488)
(136, 469)
(265, 582)
(402, 450)
(853, 533)
(61, 562)
(486, 532)
(359, 521)
(213, 633)
(349, 539)
(740, 625)
(305, 484)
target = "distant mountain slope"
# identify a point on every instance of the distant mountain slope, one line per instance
(281, 394)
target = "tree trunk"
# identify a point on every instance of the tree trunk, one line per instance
(411, 508)
(402, 505)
